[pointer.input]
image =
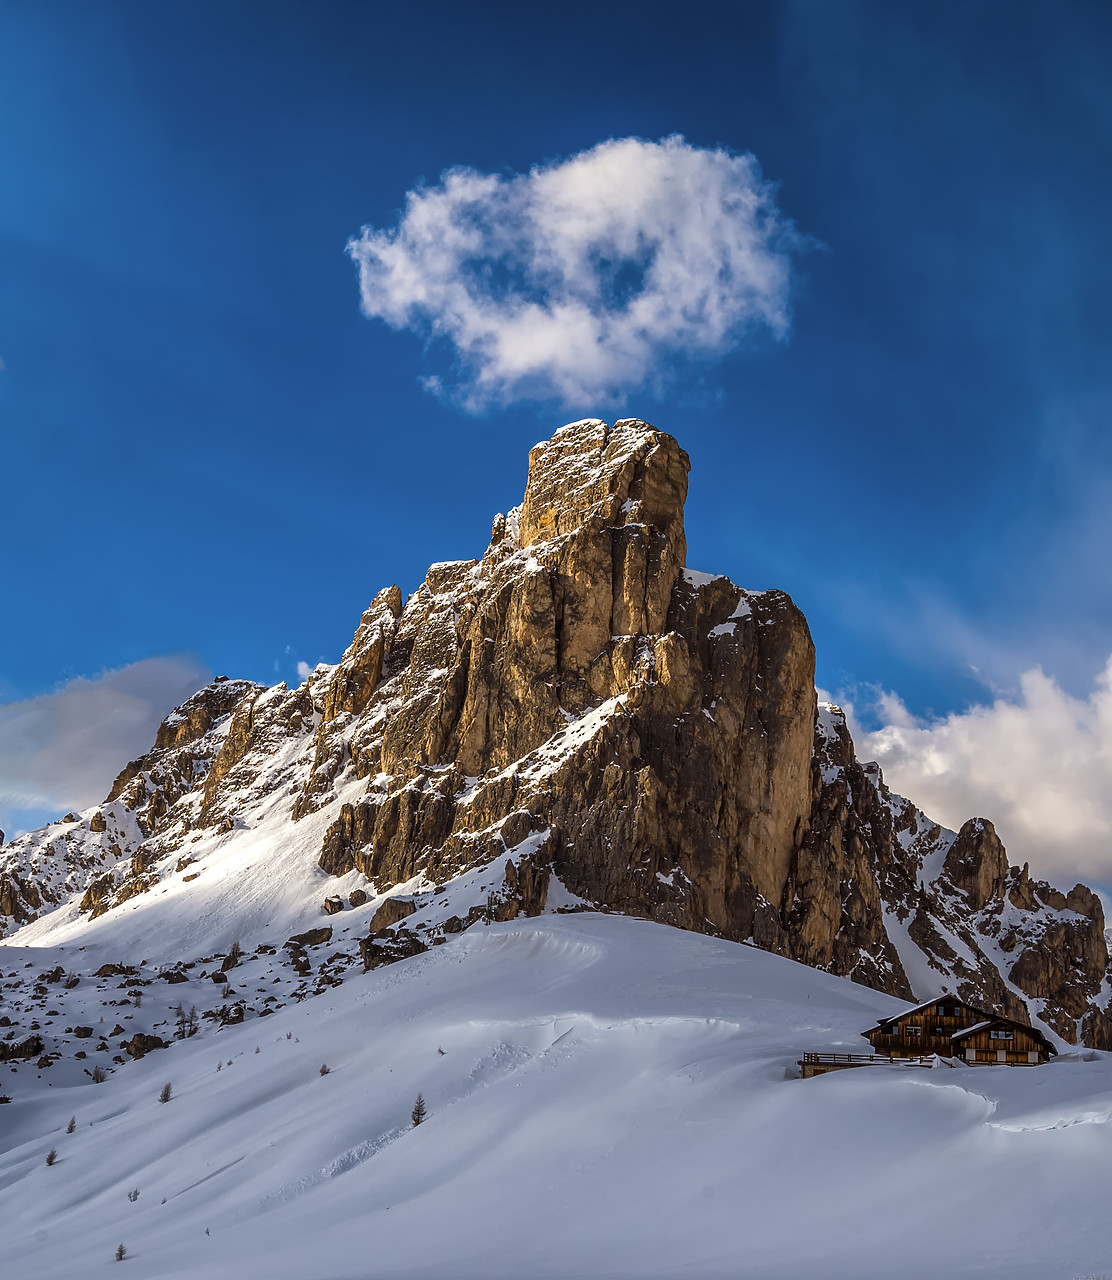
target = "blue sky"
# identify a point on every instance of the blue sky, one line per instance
(210, 452)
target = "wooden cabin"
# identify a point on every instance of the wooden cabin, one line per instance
(953, 1029)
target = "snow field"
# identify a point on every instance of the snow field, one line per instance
(615, 1098)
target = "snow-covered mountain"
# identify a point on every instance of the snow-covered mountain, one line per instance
(575, 721)
(420, 869)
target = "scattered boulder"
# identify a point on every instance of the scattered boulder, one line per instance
(380, 951)
(311, 937)
(141, 1044)
(358, 897)
(333, 905)
(30, 1048)
(391, 912)
(98, 823)
(83, 1033)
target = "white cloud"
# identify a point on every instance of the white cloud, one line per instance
(586, 276)
(62, 750)
(304, 671)
(1039, 766)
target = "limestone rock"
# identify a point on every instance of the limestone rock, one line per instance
(312, 937)
(977, 863)
(391, 912)
(379, 951)
(141, 1044)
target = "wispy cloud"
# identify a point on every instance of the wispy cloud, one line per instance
(588, 276)
(1039, 765)
(62, 750)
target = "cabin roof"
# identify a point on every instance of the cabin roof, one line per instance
(945, 998)
(987, 1019)
(995, 1020)
(968, 1031)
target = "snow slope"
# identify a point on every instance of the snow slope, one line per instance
(614, 1098)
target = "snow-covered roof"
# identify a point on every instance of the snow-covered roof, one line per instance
(968, 1031)
(994, 1020)
(945, 998)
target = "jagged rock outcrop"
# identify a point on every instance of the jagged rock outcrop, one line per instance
(596, 727)
(108, 855)
(987, 930)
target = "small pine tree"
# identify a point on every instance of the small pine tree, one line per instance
(235, 954)
(167, 1092)
(419, 1112)
(72, 1124)
(133, 1194)
(51, 1155)
(325, 1068)
(121, 1252)
(138, 995)
(99, 1074)
(185, 1020)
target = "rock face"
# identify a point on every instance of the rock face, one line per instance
(577, 701)
(950, 899)
(610, 731)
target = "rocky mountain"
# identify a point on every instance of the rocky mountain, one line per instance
(574, 722)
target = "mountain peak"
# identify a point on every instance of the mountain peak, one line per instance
(590, 473)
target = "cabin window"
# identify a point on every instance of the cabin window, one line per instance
(914, 1031)
(1001, 1035)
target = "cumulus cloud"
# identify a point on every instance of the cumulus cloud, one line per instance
(304, 671)
(1039, 765)
(62, 750)
(587, 276)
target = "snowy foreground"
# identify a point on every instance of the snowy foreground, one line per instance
(614, 1098)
